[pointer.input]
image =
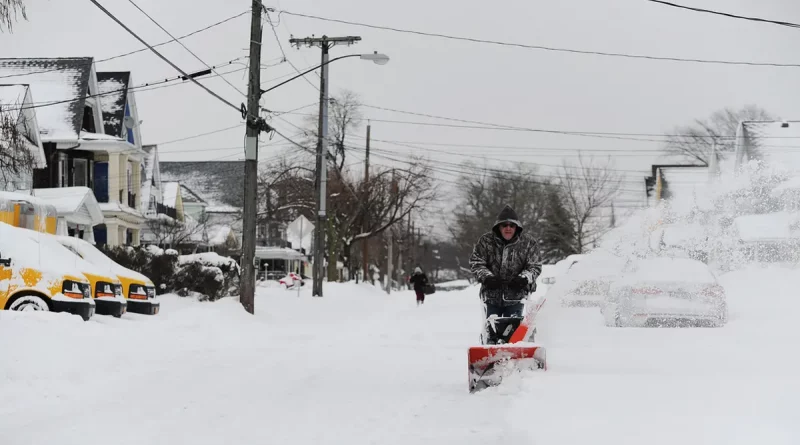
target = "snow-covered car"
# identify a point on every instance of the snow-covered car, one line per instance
(291, 280)
(665, 291)
(586, 282)
(550, 274)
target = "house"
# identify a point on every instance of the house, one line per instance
(16, 103)
(214, 190)
(152, 191)
(771, 142)
(89, 128)
(674, 180)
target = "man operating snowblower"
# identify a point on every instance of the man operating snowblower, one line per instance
(506, 262)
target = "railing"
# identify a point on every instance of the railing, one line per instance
(166, 210)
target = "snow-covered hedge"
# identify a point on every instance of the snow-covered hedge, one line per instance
(208, 274)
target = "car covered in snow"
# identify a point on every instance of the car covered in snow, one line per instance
(664, 291)
(586, 282)
(32, 278)
(139, 291)
(106, 287)
(550, 274)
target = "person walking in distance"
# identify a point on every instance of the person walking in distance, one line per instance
(419, 280)
(506, 262)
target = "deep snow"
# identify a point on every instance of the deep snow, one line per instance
(360, 367)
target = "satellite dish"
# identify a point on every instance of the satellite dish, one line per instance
(129, 122)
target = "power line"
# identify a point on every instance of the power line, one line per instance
(136, 51)
(108, 13)
(178, 39)
(200, 135)
(546, 48)
(280, 46)
(742, 17)
(35, 105)
(184, 46)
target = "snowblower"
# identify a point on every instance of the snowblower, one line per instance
(509, 347)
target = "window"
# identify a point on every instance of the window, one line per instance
(80, 172)
(63, 170)
(130, 176)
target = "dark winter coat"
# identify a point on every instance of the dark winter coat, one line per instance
(493, 255)
(419, 280)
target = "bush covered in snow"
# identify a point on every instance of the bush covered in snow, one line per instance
(208, 274)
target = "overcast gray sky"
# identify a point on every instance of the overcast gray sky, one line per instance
(502, 85)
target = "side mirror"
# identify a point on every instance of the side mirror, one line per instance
(5, 262)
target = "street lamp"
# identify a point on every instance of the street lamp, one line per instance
(322, 137)
(375, 57)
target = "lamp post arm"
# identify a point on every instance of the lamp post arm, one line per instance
(308, 71)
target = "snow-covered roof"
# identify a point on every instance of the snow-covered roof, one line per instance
(220, 184)
(771, 143)
(767, 227)
(76, 204)
(278, 253)
(187, 195)
(170, 192)
(113, 87)
(62, 83)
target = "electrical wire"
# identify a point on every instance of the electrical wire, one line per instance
(185, 47)
(544, 48)
(218, 97)
(280, 46)
(725, 14)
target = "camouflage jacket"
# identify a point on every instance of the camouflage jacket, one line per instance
(493, 256)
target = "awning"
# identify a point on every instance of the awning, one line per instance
(77, 205)
(278, 253)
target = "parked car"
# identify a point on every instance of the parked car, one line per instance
(106, 287)
(33, 279)
(550, 274)
(586, 282)
(138, 290)
(665, 291)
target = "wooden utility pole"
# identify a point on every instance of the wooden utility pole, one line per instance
(247, 293)
(365, 227)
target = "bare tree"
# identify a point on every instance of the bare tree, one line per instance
(344, 119)
(586, 190)
(695, 141)
(8, 13)
(486, 190)
(173, 233)
(285, 191)
(17, 160)
(359, 211)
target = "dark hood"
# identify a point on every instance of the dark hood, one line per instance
(507, 215)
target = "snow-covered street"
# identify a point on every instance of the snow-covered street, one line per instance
(358, 366)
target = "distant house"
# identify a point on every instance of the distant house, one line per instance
(675, 181)
(215, 190)
(773, 143)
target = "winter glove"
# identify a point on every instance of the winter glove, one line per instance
(492, 282)
(518, 283)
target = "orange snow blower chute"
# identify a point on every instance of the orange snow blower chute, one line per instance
(509, 350)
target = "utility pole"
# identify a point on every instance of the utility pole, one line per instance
(365, 241)
(254, 126)
(389, 271)
(325, 43)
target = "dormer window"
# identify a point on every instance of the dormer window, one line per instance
(88, 120)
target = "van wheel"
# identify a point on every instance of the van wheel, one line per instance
(29, 303)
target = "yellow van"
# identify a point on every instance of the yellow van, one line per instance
(107, 287)
(32, 279)
(137, 288)
(27, 212)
